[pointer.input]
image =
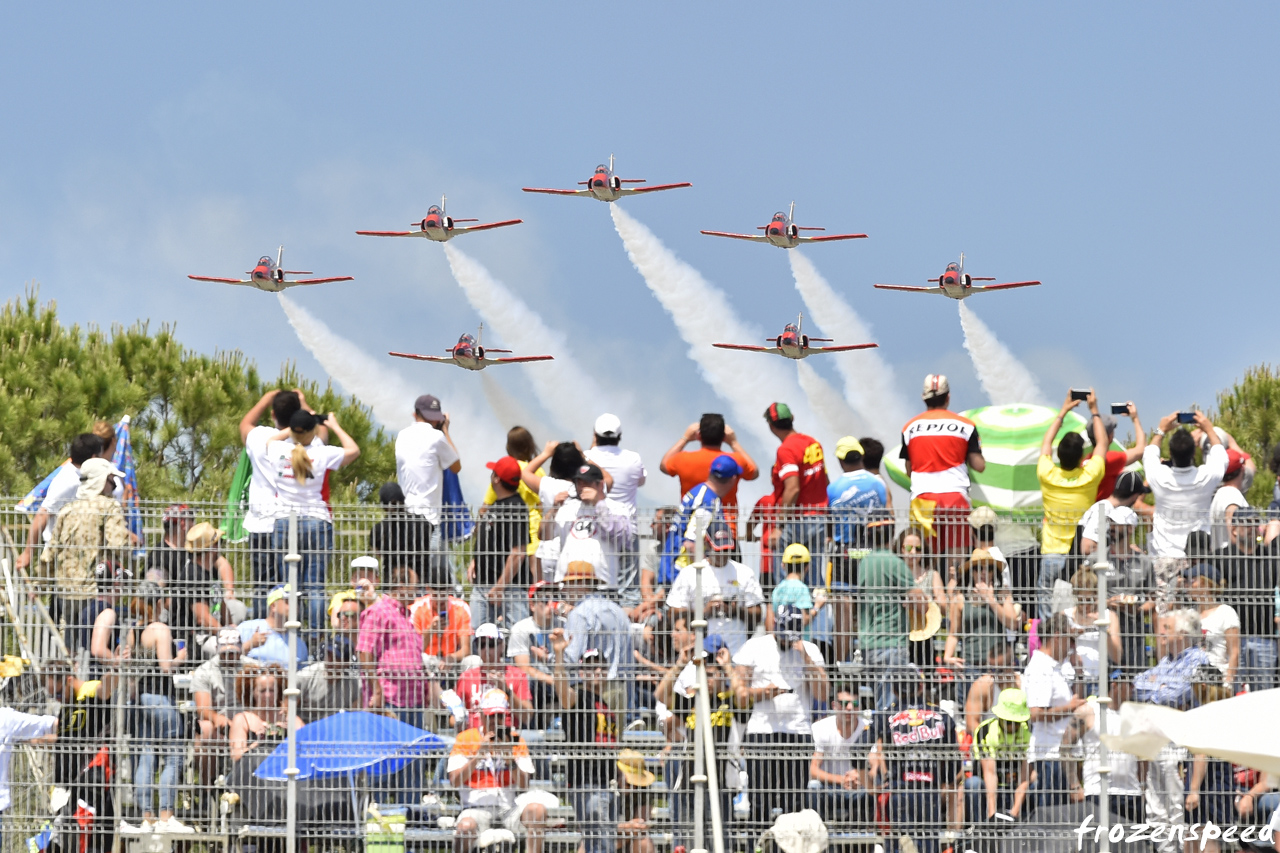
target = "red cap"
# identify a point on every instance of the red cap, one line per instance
(540, 585)
(1235, 462)
(507, 469)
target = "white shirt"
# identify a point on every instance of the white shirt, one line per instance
(549, 549)
(786, 713)
(1086, 644)
(1182, 497)
(62, 491)
(1048, 685)
(16, 726)
(594, 534)
(1215, 626)
(730, 582)
(1225, 496)
(626, 469)
(306, 499)
(264, 507)
(422, 455)
(837, 750)
(1124, 767)
(499, 799)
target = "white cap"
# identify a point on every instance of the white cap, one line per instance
(488, 631)
(608, 426)
(365, 562)
(1122, 515)
(935, 385)
(494, 702)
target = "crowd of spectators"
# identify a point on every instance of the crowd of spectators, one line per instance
(917, 670)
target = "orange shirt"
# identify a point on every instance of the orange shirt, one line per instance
(455, 634)
(491, 778)
(694, 467)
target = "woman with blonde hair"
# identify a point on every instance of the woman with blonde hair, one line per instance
(299, 464)
(1219, 622)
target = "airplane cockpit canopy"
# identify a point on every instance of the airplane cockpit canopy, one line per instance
(779, 217)
(790, 329)
(953, 267)
(265, 261)
(466, 340)
(433, 210)
(602, 168)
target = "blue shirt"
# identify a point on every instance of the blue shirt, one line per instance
(600, 624)
(851, 497)
(792, 591)
(699, 497)
(1169, 682)
(275, 649)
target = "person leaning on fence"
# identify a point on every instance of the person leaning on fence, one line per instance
(213, 689)
(87, 531)
(842, 795)
(887, 592)
(1003, 775)
(1250, 571)
(491, 764)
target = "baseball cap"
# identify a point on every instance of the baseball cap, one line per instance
(787, 618)
(983, 516)
(1012, 706)
(1202, 570)
(1128, 484)
(719, 536)
(1246, 515)
(365, 561)
(796, 553)
(778, 412)
(428, 408)
(177, 512)
(488, 631)
(507, 469)
(494, 702)
(1235, 462)
(228, 638)
(202, 537)
(339, 648)
(277, 594)
(935, 385)
(591, 656)
(848, 445)
(725, 466)
(589, 473)
(608, 426)
(1123, 516)
(538, 586)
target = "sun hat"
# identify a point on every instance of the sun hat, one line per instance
(1012, 706)
(631, 763)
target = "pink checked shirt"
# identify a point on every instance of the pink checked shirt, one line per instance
(387, 632)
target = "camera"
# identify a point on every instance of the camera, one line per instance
(1119, 409)
(1079, 393)
(1186, 417)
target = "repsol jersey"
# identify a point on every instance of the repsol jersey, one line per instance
(919, 745)
(937, 443)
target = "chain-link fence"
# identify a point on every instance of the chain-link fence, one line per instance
(440, 682)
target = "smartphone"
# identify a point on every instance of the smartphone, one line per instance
(1119, 409)
(1079, 393)
(179, 644)
(1186, 417)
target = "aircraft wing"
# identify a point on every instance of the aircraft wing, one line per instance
(653, 189)
(556, 192)
(221, 280)
(439, 359)
(830, 237)
(749, 348)
(845, 348)
(302, 281)
(1007, 285)
(389, 233)
(755, 238)
(910, 288)
(519, 359)
(464, 229)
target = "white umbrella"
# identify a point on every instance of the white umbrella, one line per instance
(1240, 730)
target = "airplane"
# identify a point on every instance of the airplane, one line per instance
(440, 227)
(784, 233)
(268, 276)
(469, 354)
(957, 284)
(606, 186)
(793, 343)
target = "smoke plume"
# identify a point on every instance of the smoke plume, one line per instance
(828, 405)
(1003, 377)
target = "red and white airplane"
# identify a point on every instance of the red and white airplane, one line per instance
(606, 186)
(784, 233)
(957, 284)
(440, 227)
(469, 354)
(268, 276)
(793, 343)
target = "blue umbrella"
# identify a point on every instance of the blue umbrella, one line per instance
(348, 742)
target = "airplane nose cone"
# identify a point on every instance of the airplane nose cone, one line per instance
(775, 231)
(597, 183)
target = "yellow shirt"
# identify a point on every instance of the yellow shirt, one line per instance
(530, 499)
(1066, 495)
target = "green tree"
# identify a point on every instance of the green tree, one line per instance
(1250, 411)
(185, 407)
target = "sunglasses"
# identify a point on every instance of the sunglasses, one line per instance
(347, 614)
(912, 549)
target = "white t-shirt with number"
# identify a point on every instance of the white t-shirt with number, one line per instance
(306, 498)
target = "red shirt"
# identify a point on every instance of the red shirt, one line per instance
(1115, 464)
(473, 685)
(801, 456)
(937, 443)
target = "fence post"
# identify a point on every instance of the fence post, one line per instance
(698, 524)
(292, 559)
(1102, 567)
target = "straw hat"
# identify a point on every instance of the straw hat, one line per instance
(631, 763)
(924, 627)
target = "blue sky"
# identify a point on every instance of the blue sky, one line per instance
(1122, 153)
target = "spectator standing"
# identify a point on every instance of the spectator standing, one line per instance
(843, 795)
(491, 764)
(793, 590)
(591, 527)
(627, 474)
(887, 590)
(722, 480)
(1126, 492)
(939, 448)
(87, 531)
(694, 466)
(854, 494)
(1068, 489)
(16, 727)
(799, 483)
(266, 640)
(999, 750)
(300, 463)
(1219, 623)
(390, 652)
(562, 459)
(1183, 493)
(1227, 499)
(1124, 787)
(521, 447)
(911, 547)
(1132, 584)
(1083, 617)
(1169, 683)
(1118, 460)
(214, 703)
(82, 762)
(498, 571)
(779, 676)
(62, 491)
(197, 598)
(401, 538)
(492, 673)
(1047, 682)
(1251, 571)
(424, 450)
(872, 456)
(732, 599)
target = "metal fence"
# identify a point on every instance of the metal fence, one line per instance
(435, 684)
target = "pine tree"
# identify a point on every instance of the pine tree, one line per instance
(1250, 411)
(185, 407)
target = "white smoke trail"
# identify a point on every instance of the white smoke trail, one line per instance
(828, 405)
(868, 379)
(391, 397)
(748, 382)
(1003, 377)
(509, 410)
